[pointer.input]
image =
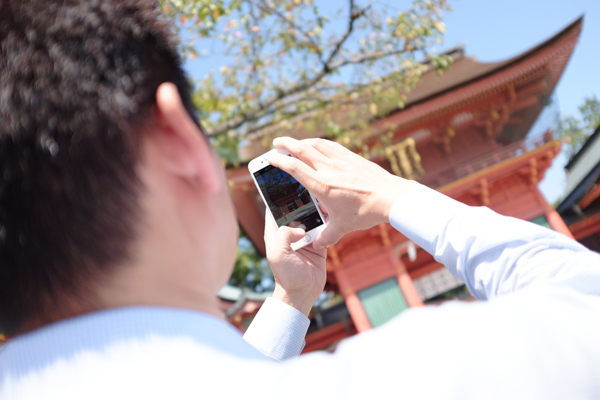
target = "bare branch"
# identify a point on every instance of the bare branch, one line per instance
(369, 57)
(293, 25)
(258, 131)
(239, 120)
(353, 17)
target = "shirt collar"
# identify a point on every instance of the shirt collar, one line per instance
(96, 331)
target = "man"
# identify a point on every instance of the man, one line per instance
(117, 231)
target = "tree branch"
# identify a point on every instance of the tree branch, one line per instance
(239, 120)
(353, 17)
(258, 131)
(293, 25)
(369, 57)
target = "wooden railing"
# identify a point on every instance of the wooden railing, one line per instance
(504, 153)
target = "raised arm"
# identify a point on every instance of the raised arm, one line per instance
(491, 253)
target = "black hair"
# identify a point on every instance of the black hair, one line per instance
(78, 81)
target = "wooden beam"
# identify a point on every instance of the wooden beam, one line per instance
(512, 94)
(515, 121)
(525, 103)
(533, 171)
(590, 197)
(485, 193)
(425, 269)
(328, 336)
(557, 223)
(498, 170)
(554, 219)
(489, 128)
(383, 231)
(532, 88)
(333, 254)
(447, 146)
(586, 227)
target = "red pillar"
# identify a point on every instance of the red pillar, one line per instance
(357, 312)
(404, 281)
(554, 219)
(557, 223)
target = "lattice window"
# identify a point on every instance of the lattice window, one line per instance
(382, 301)
(541, 221)
(436, 283)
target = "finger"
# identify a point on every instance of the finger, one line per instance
(301, 150)
(330, 148)
(295, 167)
(270, 227)
(330, 235)
(326, 147)
(324, 212)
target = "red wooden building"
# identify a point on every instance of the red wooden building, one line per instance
(464, 134)
(580, 207)
(287, 200)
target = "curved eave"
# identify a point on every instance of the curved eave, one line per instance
(485, 70)
(550, 56)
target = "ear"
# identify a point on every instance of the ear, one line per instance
(185, 152)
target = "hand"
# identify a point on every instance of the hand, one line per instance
(299, 275)
(357, 193)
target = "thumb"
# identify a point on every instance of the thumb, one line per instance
(330, 235)
(286, 235)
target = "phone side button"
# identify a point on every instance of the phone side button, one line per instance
(307, 238)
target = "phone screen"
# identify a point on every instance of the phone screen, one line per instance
(289, 201)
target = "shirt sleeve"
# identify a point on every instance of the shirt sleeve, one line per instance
(278, 330)
(539, 341)
(493, 254)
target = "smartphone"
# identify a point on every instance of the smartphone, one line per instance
(287, 201)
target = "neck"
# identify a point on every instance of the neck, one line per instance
(166, 275)
(149, 292)
(174, 262)
(135, 285)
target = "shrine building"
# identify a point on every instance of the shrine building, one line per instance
(286, 199)
(465, 134)
(580, 206)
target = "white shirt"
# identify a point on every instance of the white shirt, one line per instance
(537, 336)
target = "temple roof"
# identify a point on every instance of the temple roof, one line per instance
(467, 69)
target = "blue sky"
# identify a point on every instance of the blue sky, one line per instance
(497, 30)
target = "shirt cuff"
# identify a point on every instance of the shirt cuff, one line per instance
(278, 330)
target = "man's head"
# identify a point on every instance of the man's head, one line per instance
(79, 125)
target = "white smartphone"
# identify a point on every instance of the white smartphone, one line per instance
(288, 202)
